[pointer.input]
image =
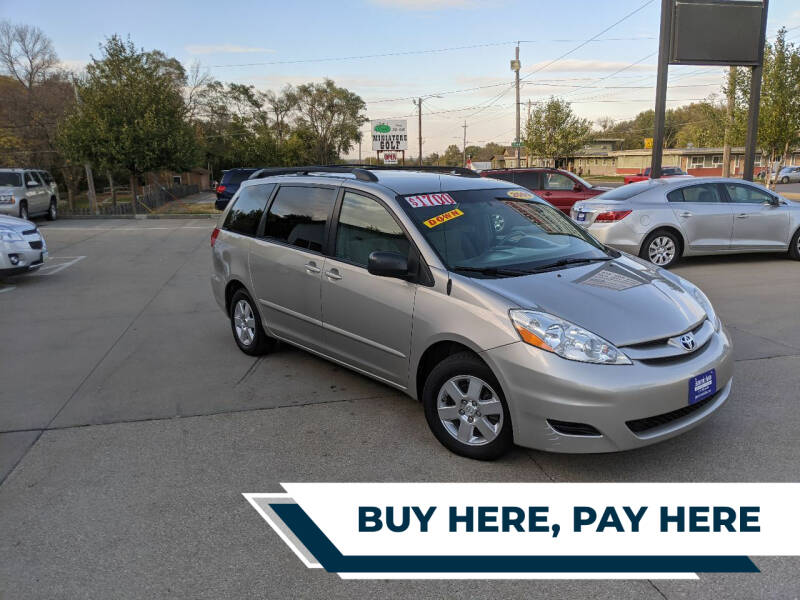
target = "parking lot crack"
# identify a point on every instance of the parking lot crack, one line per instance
(541, 468)
(655, 587)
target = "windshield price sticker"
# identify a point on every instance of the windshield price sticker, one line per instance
(520, 194)
(423, 200)
(442, 218)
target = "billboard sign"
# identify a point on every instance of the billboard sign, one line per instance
(715, 32)
(389, 134)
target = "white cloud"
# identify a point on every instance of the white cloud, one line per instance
(227, 49)
(425, 4)
(74, 65)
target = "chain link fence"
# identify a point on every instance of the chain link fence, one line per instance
(151, 198)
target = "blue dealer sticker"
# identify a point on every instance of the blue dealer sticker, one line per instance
(702, 386)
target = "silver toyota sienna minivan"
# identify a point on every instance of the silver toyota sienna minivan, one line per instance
(509, 323)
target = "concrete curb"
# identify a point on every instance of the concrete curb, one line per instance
(139, 217)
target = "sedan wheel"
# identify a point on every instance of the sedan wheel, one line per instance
(470, 410)
(785, 180)
(662, 250)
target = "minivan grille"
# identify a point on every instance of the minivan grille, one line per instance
(648, 423)
(29, 232)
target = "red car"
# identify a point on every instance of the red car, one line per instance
(645, 175)
(560, 188)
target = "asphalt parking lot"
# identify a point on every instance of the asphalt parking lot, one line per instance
(131, 424)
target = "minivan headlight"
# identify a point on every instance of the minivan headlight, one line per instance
(7, 235)
(703, 301)
(566, 339)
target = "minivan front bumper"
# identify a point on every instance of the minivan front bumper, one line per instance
(629, 406)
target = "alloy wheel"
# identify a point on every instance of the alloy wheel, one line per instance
(244, 322)
(661, 250)
(470, 410)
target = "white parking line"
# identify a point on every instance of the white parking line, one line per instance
(52, 269)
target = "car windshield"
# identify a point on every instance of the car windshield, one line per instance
(625, 192)
(499, 232)
(10, 180)
(583, 182)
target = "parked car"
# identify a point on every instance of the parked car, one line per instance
(28, 192)
(509, 322)
(645, 175)
(229, 185)
(560, 188)
(22, 247)
(789, 175)
(663, 219)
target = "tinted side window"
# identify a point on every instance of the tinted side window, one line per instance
(528, 180)
(238, 176)
(365, 227)
(706, 193)
(246, 213)
(675, 196)
(298, 216)
(744, 194)
(506, 176)
(557, 181)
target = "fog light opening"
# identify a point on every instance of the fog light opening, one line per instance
(13, 259)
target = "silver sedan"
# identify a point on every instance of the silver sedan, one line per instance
(664, 219)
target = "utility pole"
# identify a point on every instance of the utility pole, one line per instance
(726, 148)
(465, 142)
(418, 104)
(515, 66)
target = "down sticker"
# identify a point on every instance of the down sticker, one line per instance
(442, 218)
(430, 200)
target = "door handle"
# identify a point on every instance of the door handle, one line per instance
(312, 268)
(686, 214)
(742, 216)
(333, 274)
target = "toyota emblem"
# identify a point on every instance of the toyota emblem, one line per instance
(687, 341)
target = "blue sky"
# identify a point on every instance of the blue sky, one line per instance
(220, 35)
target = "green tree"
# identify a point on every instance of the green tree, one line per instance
(553, 131)
(131, 114)
(779, 113)
(452, 157)
(330, 118)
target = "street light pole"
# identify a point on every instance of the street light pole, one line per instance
(515, 65)
(419, 120)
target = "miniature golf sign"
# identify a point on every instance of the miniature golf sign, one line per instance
(390, 158)
(389, 134)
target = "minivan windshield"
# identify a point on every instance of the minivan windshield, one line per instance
(499, 232)
(10, 180)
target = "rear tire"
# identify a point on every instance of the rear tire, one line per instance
(794, 246)
(52, 212)
(785, 180)
(661, 248)
(246, 325)
(465, 408)
(23, 210)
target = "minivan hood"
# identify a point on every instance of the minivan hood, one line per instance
(622, 300)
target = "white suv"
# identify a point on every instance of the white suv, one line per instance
(28, 192)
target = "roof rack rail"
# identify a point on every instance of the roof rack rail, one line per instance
(359, 173)
(462, 171)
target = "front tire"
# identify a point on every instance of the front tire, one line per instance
(465, 408)
(662, 248)
(785, 180)
(52, 212)
(246, 325)
(794, 246)
(23, 210)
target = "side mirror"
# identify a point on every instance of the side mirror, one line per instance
(388, 264)
(578, 188)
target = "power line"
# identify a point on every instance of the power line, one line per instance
(417, 52)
